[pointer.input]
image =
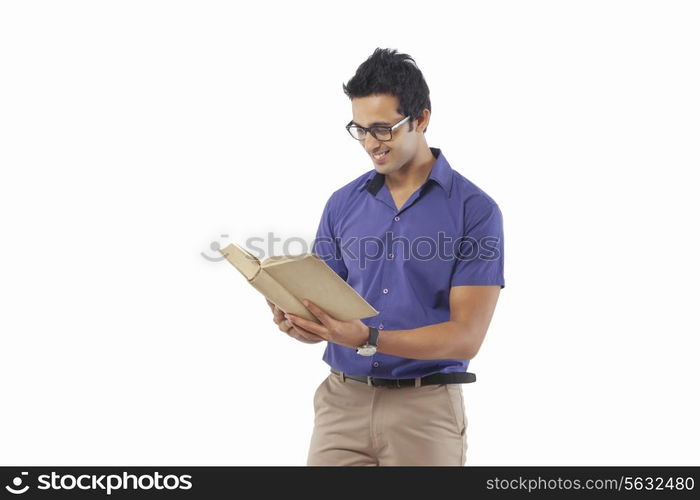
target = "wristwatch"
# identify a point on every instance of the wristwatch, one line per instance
(370, 347)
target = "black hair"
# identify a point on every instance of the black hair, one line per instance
(388, 72)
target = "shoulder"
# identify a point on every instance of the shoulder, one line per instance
(470, 196)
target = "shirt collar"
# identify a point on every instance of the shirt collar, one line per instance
(440, 173)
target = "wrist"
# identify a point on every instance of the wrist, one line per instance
(365, 335)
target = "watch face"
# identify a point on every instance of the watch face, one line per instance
(366, 350)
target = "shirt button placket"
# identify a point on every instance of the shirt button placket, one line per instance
(385, 291)
(396, 218)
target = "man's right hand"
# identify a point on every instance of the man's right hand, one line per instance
(287, 327)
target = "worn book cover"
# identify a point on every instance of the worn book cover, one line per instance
(285, 280)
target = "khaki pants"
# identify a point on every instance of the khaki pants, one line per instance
(356, 424)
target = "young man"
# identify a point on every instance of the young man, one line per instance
(424, 246)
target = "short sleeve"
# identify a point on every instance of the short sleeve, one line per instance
(479, 253)
(326, 245)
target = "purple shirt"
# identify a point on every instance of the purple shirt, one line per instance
(403, 262)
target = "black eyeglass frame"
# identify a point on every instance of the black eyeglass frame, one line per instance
(372, 129)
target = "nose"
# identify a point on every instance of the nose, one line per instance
(370, 143)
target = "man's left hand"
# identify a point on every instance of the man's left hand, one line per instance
(348, 333)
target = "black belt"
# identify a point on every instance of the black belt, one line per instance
(434, 379)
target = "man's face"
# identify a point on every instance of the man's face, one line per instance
(381, 109)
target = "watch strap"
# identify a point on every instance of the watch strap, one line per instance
(373, 336)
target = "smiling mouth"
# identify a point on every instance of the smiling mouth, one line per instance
(380, 155)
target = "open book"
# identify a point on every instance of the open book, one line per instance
(285, 280)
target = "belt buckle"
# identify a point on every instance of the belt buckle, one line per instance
(394, 384)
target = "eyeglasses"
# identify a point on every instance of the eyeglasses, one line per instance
(381, 133)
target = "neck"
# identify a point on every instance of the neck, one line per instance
(414, 173)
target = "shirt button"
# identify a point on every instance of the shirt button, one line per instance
(397, 218)
(381, 326)
(385, 291)
(375, 364)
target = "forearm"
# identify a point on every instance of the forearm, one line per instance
(451, 339)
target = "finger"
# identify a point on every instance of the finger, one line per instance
(288, 327)
(306, 332)
(278, 314)
(306, 335)
(285, 325)
(272, 308)
(299, 333)
(310, 326)
(322, 316)
(302, 339)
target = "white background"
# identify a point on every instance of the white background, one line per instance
(133, 135)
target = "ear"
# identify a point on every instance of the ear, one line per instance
(423, 121)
